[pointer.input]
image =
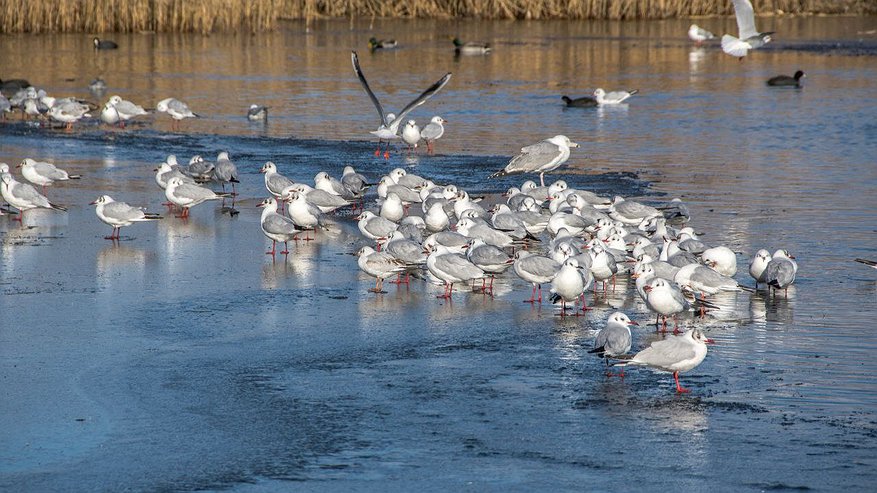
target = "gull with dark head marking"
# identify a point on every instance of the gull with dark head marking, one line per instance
(23, 196)
(275, 183)
(379, 265)
(676, 354)
(118, 214)
(781, 270)
(614, 339)
(390, 123)
(750, 38)
(43, 174)
(276, 226)
(541, 158)
(432, 132)
(186, 195)
(177, 109)
(126, 109)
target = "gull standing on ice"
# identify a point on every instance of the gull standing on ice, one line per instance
(389, 122)
(541, 158)
(126, 109)
(43, 174)
(411, 134)
(676, 354)
(781, 270)
(186, 195)
(450, 268)
(750, 38)
(224, 171)
(275, 183)
(614, 339)
(379, 265)
(118, 214)
(177, 109)
(432, 132)
(276, 226)
(23, 197)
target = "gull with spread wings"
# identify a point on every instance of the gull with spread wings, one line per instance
(390, 123)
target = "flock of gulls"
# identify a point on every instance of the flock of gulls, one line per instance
(568, 240)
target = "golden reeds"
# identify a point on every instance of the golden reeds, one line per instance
(206, 16)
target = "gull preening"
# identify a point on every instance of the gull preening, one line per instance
(125, 110)
(389, 127)
(749, 38)
(541, 158)
(118, 214)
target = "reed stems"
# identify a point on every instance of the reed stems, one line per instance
(206, 16)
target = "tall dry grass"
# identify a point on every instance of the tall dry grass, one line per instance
(201, 16)
(205, 16)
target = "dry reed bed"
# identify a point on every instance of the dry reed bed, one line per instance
(205, 16)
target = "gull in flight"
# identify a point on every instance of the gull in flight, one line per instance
(390, 122)
(749, 38)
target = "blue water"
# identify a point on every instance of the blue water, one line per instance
(183, 358)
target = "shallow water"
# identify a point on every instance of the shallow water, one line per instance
(183, 358)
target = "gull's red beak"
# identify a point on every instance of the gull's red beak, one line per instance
(633, 322)
(709, 341)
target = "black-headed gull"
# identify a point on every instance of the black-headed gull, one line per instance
(535, 269)
(43, 174)
(451, 268)
(781, 270)
(177, 109)
(118, 214)
(225, 171)
(749, 38)
(541, 158)
(570, 284)
(275, 182)
(276, 226)
(187, 195)
(614, 339)
(390, 123)
(677, 354)
(432, 132)
(23, 196)
(758, 266)
(379, 265)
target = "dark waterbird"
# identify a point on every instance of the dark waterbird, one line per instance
(381, 44)
(786, 81)
(11, 86)
(104, 44)
(582, 102)
(470, 48)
